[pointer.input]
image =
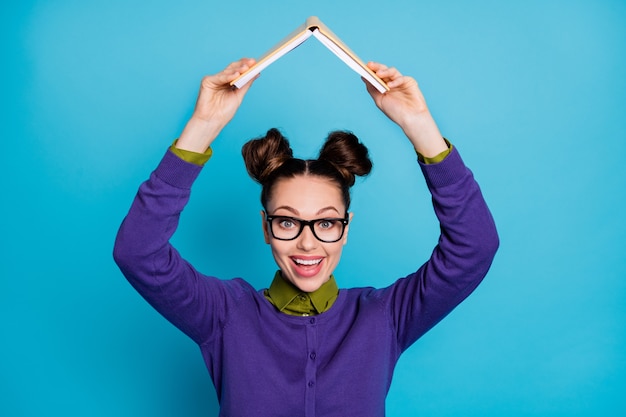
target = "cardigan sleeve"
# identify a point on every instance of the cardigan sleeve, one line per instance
(194, 303)
(467, 245)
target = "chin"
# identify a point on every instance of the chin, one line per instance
(309, 284)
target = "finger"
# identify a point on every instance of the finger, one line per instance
(389, 74)
(225, 77)
(243, 60)
(241, 65)
(376, 66)
(403, 82)
(244, 65)
(396, 82)
(232, 66)
(248, 61)
(234, 70)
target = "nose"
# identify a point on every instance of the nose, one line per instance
(307, 241)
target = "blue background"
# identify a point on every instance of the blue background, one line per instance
(532, 93)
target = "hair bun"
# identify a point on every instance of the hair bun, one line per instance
(264, 155)
(344, 151)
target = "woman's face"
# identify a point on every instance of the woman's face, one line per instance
(305, 261)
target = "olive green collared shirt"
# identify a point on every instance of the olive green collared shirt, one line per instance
(289, 299)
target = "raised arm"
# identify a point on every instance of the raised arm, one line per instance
(468, 239)
(143, 252)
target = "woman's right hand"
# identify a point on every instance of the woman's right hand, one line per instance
(216, 105)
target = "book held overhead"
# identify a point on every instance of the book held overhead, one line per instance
(312, 27)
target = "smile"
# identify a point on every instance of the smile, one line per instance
(307, 262)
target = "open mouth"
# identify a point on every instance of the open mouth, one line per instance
(307, 262)
(307, 267)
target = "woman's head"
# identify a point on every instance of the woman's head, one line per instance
(306, 202)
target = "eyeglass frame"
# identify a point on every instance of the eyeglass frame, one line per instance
(344, 222)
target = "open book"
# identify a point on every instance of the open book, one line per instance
(312, 27)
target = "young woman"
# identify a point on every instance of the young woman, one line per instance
(303, 347)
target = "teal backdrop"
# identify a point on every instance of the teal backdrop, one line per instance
(532, 93)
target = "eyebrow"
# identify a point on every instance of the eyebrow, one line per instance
(296, 212)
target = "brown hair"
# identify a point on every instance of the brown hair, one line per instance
(341, 159)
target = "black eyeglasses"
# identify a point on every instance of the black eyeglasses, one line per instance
(327, 230)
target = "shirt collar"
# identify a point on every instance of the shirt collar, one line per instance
(282, 293)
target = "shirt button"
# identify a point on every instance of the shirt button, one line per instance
(313, 355)
(302, 298)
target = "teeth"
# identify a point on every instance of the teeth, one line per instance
(307, 262)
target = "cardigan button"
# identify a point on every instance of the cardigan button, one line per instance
(311, 384)
(313, 355)
(312, 320)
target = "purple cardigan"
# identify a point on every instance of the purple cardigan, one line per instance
(339, 363)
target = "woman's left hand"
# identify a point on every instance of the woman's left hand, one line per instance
(405, 105)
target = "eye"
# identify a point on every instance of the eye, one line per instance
(285, 222)
(326, 224)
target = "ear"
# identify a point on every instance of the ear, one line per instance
(345, 233)
(266, 232)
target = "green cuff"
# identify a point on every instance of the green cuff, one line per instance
(190, 156)
(437, 158)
